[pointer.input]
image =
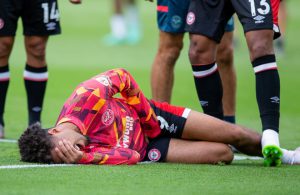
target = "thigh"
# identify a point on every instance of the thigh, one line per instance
(41, 17)
(198, 152)
(9, 14)
(226, 44)
(171, 15)
(200, 126)
(170, 40)
(258, 14)
(209, 18)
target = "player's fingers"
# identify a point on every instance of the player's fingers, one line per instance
(61, 155)
(68, 147)
(63, 148)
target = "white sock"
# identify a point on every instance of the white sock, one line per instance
(132, 19)
(118, 26)
(269, 137)
(288, 156)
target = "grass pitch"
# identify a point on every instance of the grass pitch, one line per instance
(78, 54)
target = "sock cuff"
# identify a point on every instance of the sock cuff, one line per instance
(264, 63)
(204, 70)
(36, 70)
(264, 60)
(4, 73)
(35, 74)
(4, 69)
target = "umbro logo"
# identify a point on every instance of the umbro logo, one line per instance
(36, 109)
(204, 103)
(275, 100)
(259, 19)
(51, 26)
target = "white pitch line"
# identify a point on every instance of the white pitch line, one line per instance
(240, 157)
(34, 166)
(9, 140)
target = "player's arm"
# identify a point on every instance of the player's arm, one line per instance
(99, 155)
(111, 156)
(120, 81)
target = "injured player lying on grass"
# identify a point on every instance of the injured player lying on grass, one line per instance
(94, 127)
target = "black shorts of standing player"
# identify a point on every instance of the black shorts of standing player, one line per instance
(39, 17)
(172, 120)
(214, 14)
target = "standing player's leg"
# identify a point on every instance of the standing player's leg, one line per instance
(259, 36)
(282, 19)
(134, 34)
(227, 72)
(162, 75)
(6, 44)
(35, 75)
(208, 83)
(171, 15)
(36, 33)
(117, 25)
(8, 25)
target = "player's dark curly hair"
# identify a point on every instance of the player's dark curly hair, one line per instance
(35, 145)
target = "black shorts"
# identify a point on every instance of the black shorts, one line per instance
(209, 17)
(172, 120)
(39, 17)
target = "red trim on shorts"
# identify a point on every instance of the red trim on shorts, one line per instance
(275, 8)
(176, 110)
(162, 8)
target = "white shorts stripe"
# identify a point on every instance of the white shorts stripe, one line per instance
(264, 67)
(35, 76)
(205, 72)
(186, 112)
(4, 76)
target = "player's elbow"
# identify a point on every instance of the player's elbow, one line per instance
(135, 158)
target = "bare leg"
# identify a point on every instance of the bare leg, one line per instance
(36, 50)
(198, 152)
(162, 75)
(35, 75)
(227, 73)
(203, 127)
(6, 44)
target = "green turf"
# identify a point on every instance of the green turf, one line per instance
(79, 53)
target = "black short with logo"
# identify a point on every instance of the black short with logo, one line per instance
(172, 120)
(39, 17)
(209, 17)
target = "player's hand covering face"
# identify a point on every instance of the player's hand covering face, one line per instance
(65, 152)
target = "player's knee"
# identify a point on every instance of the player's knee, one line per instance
(260, 48)
(200, 53)
(170, 52)
(5, 47)
(225, 154)
(225, 55)
(36, 49)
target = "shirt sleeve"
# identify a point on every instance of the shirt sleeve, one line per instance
(110, 156)
(120, 81)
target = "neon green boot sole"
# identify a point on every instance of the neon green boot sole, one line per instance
(272, 155)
